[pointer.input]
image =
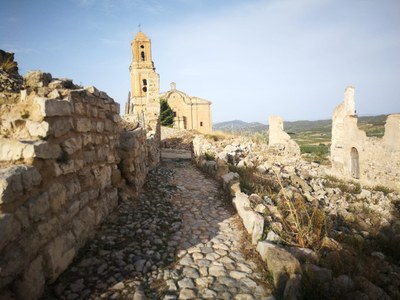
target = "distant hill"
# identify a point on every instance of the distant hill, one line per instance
(297, 126)
(239, 126)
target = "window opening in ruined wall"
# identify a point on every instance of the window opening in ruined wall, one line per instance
(144, 85)
(355, 164)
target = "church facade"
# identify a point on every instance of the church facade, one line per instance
(143, 105)
(190, 112)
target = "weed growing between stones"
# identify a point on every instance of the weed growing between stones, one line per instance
(63, 158)
(350, 187)
(209, 156)
(304, 225)
(8, 65)
(25, 114)
(385, 190)
(253, 183)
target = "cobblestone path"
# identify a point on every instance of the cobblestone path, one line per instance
(178, 240)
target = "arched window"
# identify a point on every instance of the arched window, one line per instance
(142, 56)
(144, 88)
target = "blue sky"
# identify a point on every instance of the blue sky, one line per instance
(254, 58)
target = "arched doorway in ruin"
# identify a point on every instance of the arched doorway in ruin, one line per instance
(355, 164)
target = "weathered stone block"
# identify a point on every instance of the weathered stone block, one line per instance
(99, 127)
(12, 262)
(240, 201)
(13, 150)
(46, 150)
(30, 177)
(235, 189)
(30, 286)
(73, 209)
(58, 255)
(73, 187)
(10, 229)
(10, 184)
(103, 176)
(57, 196)
(54, 108)
(60, 126)
(72, 144)
(38, 206)
(229, 177)
(253, 222)
(22, 216)
(83, 125)
(280, 263)
(80, 108)
(38, 129)
(49, 229)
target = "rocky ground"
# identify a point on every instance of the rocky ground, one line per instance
(346, 236)
(178, 240)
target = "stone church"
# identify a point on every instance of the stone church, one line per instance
(143, 103)
(190, 112)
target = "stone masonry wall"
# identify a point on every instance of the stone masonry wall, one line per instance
(59, 177)
(139, 153)
(373, 161)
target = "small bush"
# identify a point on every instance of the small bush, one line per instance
(303, 225)
(253, 183)
(384, 189)
(209, 156)
(25, 115)
(346, 187)
(43, 138)
(8, 65)
(63, 158)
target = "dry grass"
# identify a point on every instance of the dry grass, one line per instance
(346, 187)
(304, 225)
(253, 183)
(8, 65)
(217, 136)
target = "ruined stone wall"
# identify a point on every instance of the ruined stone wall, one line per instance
(139, 152)
(374, 161)
(279, 140)
(59, 177)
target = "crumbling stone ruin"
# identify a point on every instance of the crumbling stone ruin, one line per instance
(65, 155)
(346, 230)
(371, 160)
(279, 139)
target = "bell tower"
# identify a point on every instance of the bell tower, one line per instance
(144, 79)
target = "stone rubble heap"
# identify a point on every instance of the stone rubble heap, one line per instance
(364, 223)
(60, 155)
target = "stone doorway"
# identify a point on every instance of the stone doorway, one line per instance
(355, 165)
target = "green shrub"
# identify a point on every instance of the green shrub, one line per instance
(346, 187)
(166, 114)
(63, 158)
(384, 189)
(209, 156)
